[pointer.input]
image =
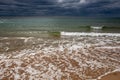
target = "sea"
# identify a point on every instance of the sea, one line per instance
(42, 26)
(59, 48)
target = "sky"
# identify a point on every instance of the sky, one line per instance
(84, 8)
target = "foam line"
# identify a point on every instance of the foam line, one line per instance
(88, 34)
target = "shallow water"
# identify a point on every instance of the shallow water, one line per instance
(66, 58)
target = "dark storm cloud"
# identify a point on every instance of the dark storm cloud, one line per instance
(60, 8)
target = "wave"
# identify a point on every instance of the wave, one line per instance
(88, 34)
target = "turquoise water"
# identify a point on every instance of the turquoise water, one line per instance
(15, 25)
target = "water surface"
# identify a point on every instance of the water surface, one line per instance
(31, 26)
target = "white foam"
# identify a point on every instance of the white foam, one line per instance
(16, 76)
(25, 38)
(96, 27)
(88, 34)
(31, 70)
(75, 47)
(108, 47)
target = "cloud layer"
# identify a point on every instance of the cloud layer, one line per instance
(60, 8)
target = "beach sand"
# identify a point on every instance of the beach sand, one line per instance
(112, 76)
(66, 58)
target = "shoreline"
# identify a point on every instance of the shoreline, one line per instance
(52, 34)
(76, 58)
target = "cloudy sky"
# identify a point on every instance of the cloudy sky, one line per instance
(108, 8)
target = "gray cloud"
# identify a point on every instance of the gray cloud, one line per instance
(60, 7)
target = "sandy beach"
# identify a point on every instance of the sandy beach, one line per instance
(66, 58)
(111, 76)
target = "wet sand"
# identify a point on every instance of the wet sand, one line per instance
(111, 76)
(66, 58)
